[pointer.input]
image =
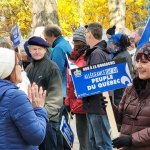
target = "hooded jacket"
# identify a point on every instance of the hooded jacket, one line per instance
(76, 104)
(21, 126)
(133, 114)
(98, 54)
(60, 48)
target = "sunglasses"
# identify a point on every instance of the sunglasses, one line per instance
(20, 63)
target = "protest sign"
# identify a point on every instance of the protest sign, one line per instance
(67, 132)
(98, 78)
(16, 35)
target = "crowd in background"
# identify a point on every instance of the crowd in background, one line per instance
(30, 119)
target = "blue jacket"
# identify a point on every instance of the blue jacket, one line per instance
(58, 55)
(21, 126)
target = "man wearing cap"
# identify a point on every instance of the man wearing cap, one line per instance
(45, 73)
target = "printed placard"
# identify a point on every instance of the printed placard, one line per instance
(100, 78)
(67, 132)
(16, 35)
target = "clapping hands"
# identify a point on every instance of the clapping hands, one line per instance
(36, 95)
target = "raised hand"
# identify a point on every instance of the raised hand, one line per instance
(36, 95)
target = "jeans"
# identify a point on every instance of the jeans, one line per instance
(99, 132)
(53, 139)
(82, 131)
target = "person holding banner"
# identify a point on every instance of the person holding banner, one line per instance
(120, 43)
(133, 110)
(99, 128)
(23, 118)
(74, 104)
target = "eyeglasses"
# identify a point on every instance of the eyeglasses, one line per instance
(20, 63)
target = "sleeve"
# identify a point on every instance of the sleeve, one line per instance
(30, 122)
(54, 100)
(59, 58)
(141, 138)
(118, 111)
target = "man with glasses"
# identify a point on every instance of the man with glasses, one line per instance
(99, 128)
(45, 73)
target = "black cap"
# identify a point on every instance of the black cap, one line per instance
(111, 31)
(35, 40)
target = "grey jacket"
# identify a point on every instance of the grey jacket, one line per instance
(45, 73)
(93, 104)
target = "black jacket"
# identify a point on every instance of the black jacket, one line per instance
(98, 54)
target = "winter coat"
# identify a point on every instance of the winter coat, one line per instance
(134, 115)
(71, 100)
(60, 48)
(98, 54)
(119, 92)
(22, 127)
(45, 73)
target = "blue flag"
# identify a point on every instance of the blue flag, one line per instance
(145, 36)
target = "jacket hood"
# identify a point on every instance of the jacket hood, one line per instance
(102, 44)
(6, 85)
(57, 40)
(105, 47)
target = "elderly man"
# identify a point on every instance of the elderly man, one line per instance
(45, 73)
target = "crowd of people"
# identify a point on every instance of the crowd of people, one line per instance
(31, 120)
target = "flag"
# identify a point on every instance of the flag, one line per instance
(145, 36)
(71, 65)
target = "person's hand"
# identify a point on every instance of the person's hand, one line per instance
(36, 95)
(122, 141)
(103, 102)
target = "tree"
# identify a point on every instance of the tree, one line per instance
(122, 13)
(69, 17)
(136, 13)
(14, 12)
(117, 10)
(43, 12)
(96, 10)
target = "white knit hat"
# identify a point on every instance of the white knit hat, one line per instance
(7, 62)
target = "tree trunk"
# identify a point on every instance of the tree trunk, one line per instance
(43, 12)
(117, 10)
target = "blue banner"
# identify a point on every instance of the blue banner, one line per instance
(67, 132)
(145, 36)
(100, 78)
(16, 35)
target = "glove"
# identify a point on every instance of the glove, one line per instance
(122, 141)
(68, 108)
(103, 102)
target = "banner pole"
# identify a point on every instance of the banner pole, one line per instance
(111, 117)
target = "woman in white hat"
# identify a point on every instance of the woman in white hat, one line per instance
(22, 119)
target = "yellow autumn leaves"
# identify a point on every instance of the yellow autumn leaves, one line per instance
(97, 10)
(72, 13)
(15, 11)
